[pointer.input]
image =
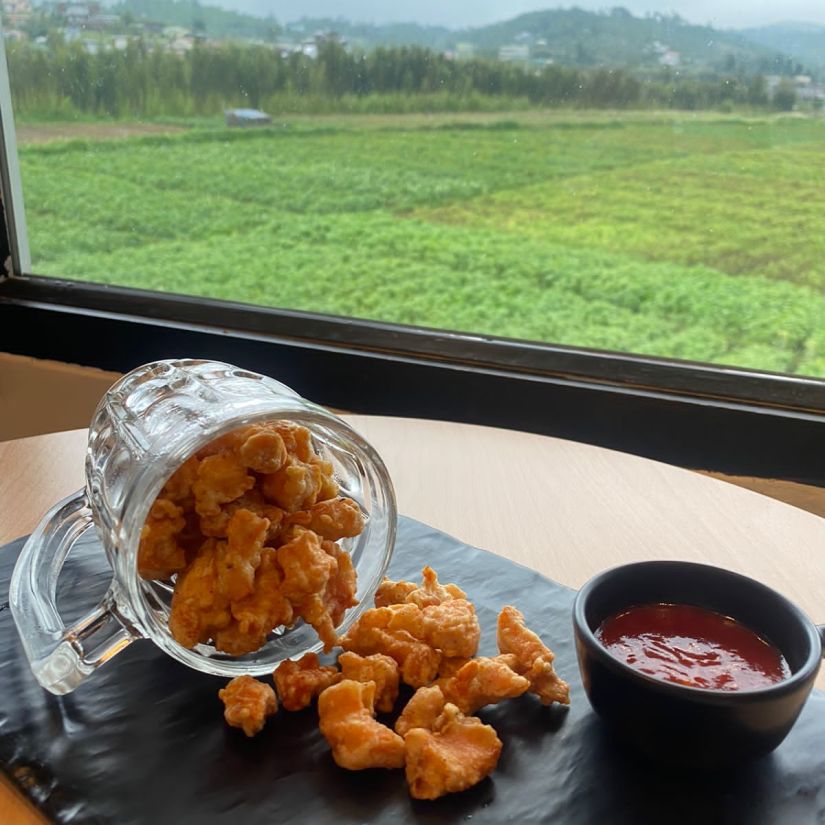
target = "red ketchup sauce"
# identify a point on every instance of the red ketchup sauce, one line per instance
(692, 646)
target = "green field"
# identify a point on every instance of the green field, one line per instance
(690, 237)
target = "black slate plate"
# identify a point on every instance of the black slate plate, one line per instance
(143, 741)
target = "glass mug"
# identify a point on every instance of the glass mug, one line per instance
(146, 425)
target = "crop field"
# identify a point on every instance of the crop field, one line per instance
(681, 236)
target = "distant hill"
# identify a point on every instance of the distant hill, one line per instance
(574, 37)
(804, 41)
(369, 36)
(570, 37)
(190, 14)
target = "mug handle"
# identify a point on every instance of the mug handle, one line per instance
(62, 657)
(821, 629)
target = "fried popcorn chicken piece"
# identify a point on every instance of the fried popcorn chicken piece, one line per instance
(335, 519)
(243, 569)
(377, 668)
(160, 553)
(395, 631)
(422, 710)
(431, 592)
(483, 682)
(329, 486)
(342, 584)
(216, 525)
(198, 607)
(393, 592)
(533, 659)
(324, 611)
(296, 438)
(307, 572)
(248, 702)
(306, 566)
(264, 452)
(298, 683)
(178, 487)
(221, 479)
(358, 741)
(294, 487)
(457, 754)
(315, 612)
(259, 613)
(238, 558)
(452, 627)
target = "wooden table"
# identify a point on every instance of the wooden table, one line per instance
(566, 509)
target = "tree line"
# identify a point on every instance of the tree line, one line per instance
(142, 80)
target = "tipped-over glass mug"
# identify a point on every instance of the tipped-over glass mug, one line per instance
(144, 428)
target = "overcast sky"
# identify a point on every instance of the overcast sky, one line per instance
(456, 13)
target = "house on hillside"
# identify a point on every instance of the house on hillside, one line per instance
(670, 58)
(514, 53)
(77, 15)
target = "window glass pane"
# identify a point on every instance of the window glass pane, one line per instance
(628, 179)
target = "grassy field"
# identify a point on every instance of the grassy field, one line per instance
(690, 237)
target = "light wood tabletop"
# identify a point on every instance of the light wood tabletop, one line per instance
(568, 510)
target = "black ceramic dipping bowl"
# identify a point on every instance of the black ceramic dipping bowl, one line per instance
(692, 726)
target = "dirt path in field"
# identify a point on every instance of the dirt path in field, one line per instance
(45, 132)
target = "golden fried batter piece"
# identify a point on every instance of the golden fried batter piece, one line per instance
(358, 741)
(248, 702)
(259, 613)
(294, 487)
(306, 566)
(483, 682)
(296, 438)
(198, 607)
(457, 754)
(221, 479)
(307, 572)
(264, 452)
(238, 558)
(217, 525)
(160, 553)
(429, 592)
(342, 584)
(432, 592)
(329, 486)
(178, 488)
(377, 668)
(452, 627)
(243, 568)
(396, 632)
(422, 710)
(533, 659)
(335, 519)
(298, 683)
(392, 592)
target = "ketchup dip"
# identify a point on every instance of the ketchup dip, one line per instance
(692, 646)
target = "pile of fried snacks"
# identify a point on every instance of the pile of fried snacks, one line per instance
(425, 635)
(249, 528)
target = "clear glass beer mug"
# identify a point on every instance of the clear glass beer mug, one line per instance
(144, 428)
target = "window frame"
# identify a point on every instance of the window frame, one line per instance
(694, 414)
